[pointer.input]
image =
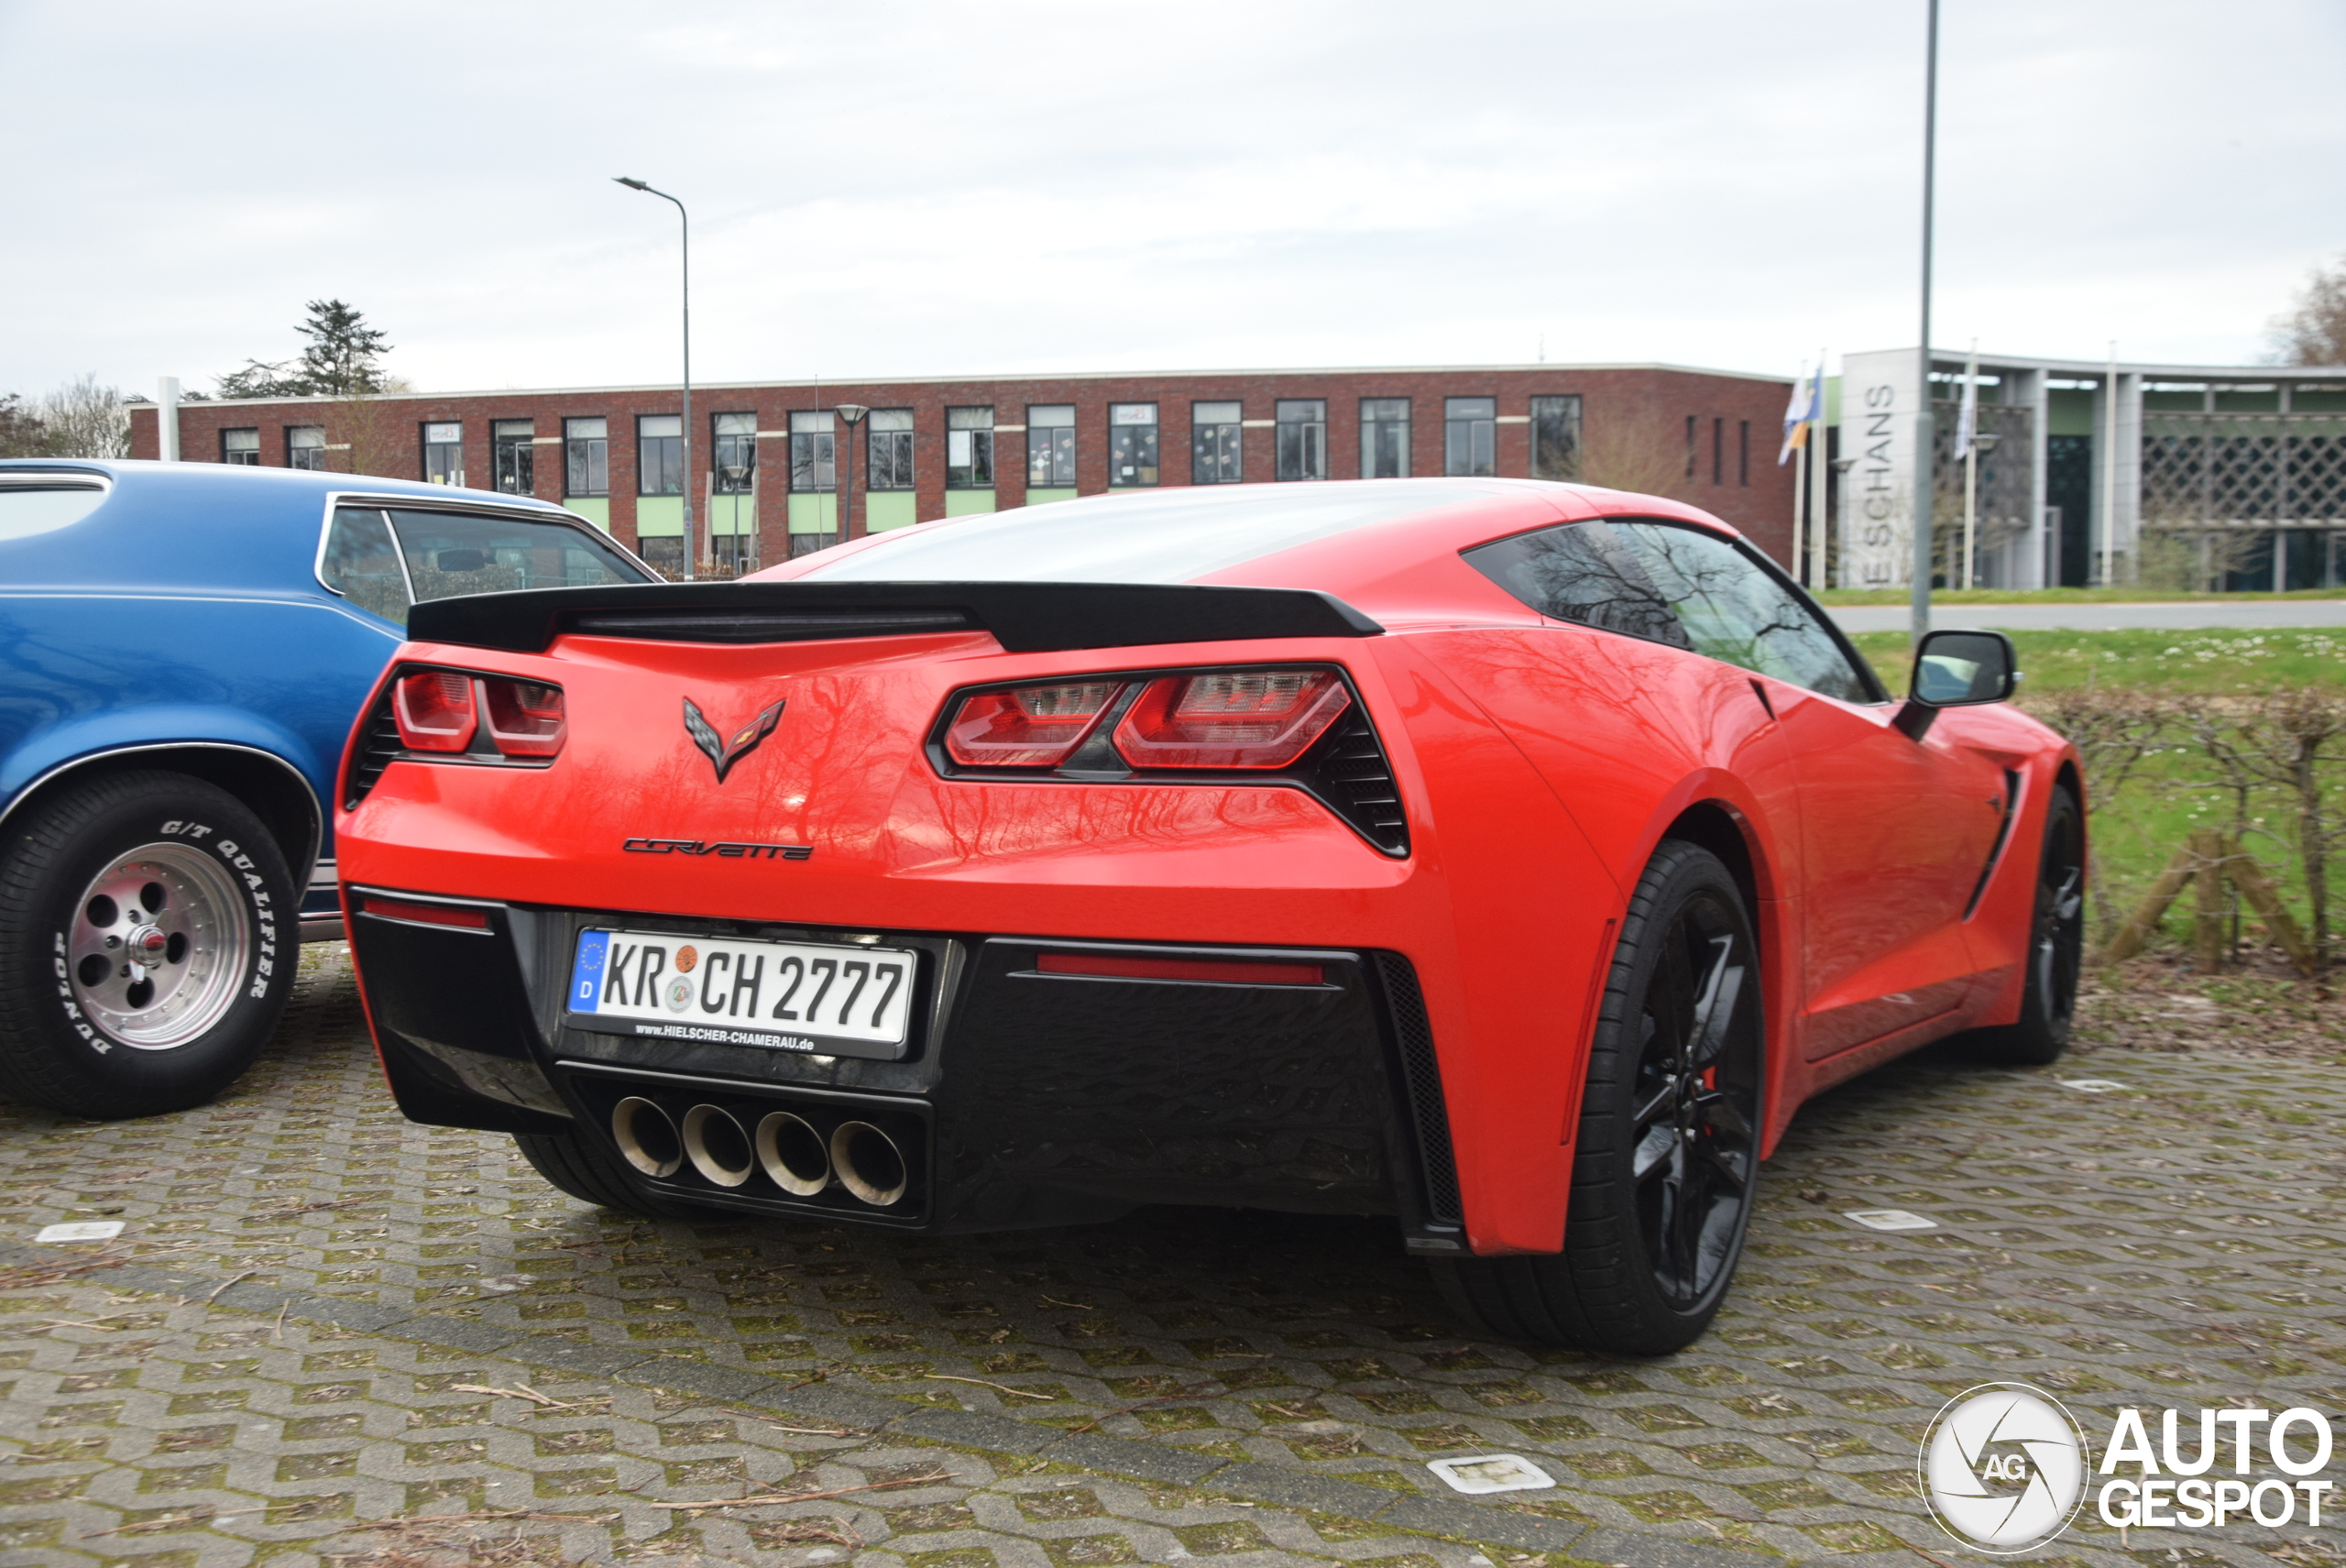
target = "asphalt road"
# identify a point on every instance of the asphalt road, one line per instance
(2190, 615)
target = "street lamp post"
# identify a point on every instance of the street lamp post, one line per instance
(853, 414)
(1926, 445)
(687, 487)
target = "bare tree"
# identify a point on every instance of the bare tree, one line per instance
(21, 433)
(2315, 332)
(1628, 453)
(86, 420)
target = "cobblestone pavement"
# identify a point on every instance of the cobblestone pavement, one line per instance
(418, 1324)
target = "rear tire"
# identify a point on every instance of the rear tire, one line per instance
(2056, 941)
(1667, 1161)
(576, 1164)
(148, 942)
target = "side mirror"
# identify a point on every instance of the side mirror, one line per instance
(1956, 669)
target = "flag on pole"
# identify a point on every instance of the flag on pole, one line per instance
(1806, 407)
(1967, 419)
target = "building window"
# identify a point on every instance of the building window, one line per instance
(305, 447)
(1385, 438)
(443, 454)
(1132, 443)
(1469, 433)
(1213, 445)
(513, 457)
(736, 450)
(1303, 438)
(1555, 438)
(1743, 452)
(241, 447)
(969, 449)
(888, 451)
(586, 448)
(1690, 446)
(1050, 446)
(814, 450)
(659, 455)
(1718, 452)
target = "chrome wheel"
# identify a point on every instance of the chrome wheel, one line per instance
(1696, 1143)
(2060, 934)
(158, 947)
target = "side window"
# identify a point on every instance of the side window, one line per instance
(362, 566)
(1584, 572)
(1734, 610)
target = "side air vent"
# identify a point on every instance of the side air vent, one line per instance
(1421, 1079)
(379, 746)
(1349, 771)
(762, 626)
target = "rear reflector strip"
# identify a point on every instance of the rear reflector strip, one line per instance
(1213, 970)
(464, 917)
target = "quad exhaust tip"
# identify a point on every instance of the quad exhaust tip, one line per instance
(793, 1153)
(718, 1146)
(868, 1163)
(647, 1138)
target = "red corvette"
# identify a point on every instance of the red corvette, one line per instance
(1509, 857)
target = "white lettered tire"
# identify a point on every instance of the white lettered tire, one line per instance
(148, 940)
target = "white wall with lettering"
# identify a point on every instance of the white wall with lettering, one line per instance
(1878, 397)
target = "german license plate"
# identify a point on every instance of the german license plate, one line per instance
(792, 996)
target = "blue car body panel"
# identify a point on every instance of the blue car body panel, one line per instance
(186, 609)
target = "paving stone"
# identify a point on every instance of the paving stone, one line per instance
(1269, 1385)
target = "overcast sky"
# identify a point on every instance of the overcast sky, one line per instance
(929, 189)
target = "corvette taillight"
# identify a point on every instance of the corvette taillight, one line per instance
(525, 718)
(1027, 727)
(1230, 719)
(446, 711)
(435, 710)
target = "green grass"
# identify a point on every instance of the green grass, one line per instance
(2138, 825)
(2131, 594)
(2179, 662)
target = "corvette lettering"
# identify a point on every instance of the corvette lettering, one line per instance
(729, 852)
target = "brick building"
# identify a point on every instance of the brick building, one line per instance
(767, 480)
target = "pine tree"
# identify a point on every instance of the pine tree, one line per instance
(342, 359)
(344, 356)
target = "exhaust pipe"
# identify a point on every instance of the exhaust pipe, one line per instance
(647, 1139)
(870, 1164)
(793, 1155)
(717, 1147)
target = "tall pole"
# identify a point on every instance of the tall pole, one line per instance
(685, 490)
(2109, 467)
(1969, 436)
(1926, 454)
(1819, 488)
(853, 414)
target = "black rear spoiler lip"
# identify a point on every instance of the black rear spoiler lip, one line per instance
(1024, 618)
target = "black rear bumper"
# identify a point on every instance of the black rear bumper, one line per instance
(1024, 1097)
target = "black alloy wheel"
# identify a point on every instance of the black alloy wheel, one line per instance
(2056, 946)
(1668, 1157)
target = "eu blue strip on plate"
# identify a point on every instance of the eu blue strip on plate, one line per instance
(586, 974)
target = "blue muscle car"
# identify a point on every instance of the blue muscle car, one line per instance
(183, 649)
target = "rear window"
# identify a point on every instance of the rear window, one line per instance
(385, 559)
(43, 507)
(1171, 536)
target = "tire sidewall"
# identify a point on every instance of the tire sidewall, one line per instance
(92, 829)
(1678, 872)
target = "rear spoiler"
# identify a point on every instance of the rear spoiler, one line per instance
(1024, 618)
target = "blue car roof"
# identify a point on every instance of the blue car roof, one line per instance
(202, 526)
